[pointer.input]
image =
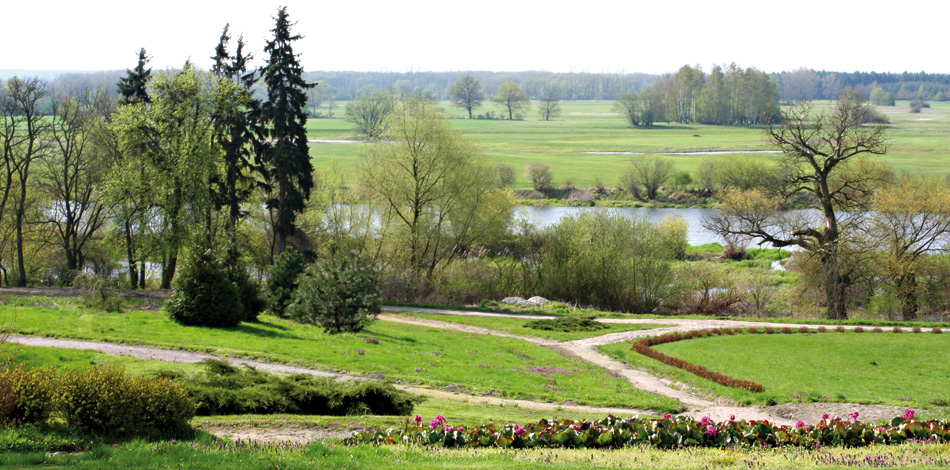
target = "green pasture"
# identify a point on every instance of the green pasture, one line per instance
(889, 368)
(917, 143)
(516, 326)
(476, 364)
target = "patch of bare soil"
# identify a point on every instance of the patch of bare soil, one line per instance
(811, 413)
(297, 432)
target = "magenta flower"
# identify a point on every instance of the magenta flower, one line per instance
(434, 423)
(449, 429)
(853, 416)
(520, 431)
(908, 414)
(418, 420)
(824, 417)
(711, 430)
(576, 427)
(732, 417)
(440, 418)
(706, 421)
(667, 416)
(799, 424)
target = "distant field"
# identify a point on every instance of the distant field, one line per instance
(916, 142)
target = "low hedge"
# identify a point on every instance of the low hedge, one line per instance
(224, 389)
(95, 400)
(664, 433)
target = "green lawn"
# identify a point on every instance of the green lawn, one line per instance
(845, 367)
(916, 142)
(517, 326)
(431, 357)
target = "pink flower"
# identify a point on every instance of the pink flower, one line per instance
(799, 424)
(520, 431)
(667, 416)
(732, 417)
(908, 414)
(853, 416)
(824, 417)
(576, 427)
(711, 430)
(449, 429)
(434, 423)
(837, 418)
(418, 420)
(440, 418)
(706, 421)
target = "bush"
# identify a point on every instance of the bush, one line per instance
(203, 295)
(248, 292)
(606, 260)
(567, 324)
(106, 401)
(339, 294)
(282, 280)
(224, 389)
(26, 395)
(540, 175)
(97, 292)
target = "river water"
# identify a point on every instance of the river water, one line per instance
(695, 235)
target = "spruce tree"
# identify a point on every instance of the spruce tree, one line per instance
(285, 154)
(132, 85)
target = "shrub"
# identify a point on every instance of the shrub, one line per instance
(858, 330)
(248, 292)
(540, 175)
(505, 174)
(282, 280)
(896, 329)
(936, 330)
(916, 329)
(567, 324)
(839, 329)
(98, 292)
(106, 401)
(803, 329)
(224, 389)
(606, 260)
(203, 295)
(339, 294)
(877, 329)
(26, 395)
(822, 329)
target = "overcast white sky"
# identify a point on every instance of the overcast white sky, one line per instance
(506, 35)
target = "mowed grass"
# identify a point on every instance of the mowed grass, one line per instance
(516, 326)
(35, 356)
(477, 364)
(917, 143)
(900, 369)
(206, 453)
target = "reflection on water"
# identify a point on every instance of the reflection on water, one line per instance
(696, 234)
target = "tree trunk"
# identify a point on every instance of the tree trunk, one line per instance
(836, 295)
(130, 253)
(907, 294)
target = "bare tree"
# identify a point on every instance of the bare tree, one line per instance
(822, 157)
(466, 93)
(648, 174)
(550, 103)
(24, 132)
(74, 170)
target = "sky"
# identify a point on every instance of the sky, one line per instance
(620, 36)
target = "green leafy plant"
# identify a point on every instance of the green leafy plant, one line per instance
(98, 292)
(340, 294)
(26, 395)
(282, 280)
(567, 324)
(203, 295)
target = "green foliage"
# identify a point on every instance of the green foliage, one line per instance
(567, 324)
(369, 111)
(664, 433)
(109, 402)
(225, 389)
(282, 280)
(512, 100)
(606, 260)
(26, 395)
(248, 292)
(341, 294)
(540, 175)
(203, 295)
(98, 292)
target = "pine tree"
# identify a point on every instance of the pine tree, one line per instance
(132, 85)
(285, 153)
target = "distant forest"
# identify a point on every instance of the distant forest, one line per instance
(799, 84)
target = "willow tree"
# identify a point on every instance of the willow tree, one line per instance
(823, 157)
(434, 193)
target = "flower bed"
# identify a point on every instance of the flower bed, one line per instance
(665, 433)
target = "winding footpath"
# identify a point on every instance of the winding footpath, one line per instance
(584, 349)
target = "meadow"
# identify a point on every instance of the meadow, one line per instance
(917, 143)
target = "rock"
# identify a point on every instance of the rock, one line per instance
(514, 300)
(537, 300)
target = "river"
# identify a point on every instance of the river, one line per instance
(695, 235)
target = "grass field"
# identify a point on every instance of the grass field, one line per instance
(917, 143)
(517, 326)
(899, 369)
(477, 364)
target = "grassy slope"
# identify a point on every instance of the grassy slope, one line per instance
(852, 367)
(916, 142)
(517, 326)
(425, 356)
